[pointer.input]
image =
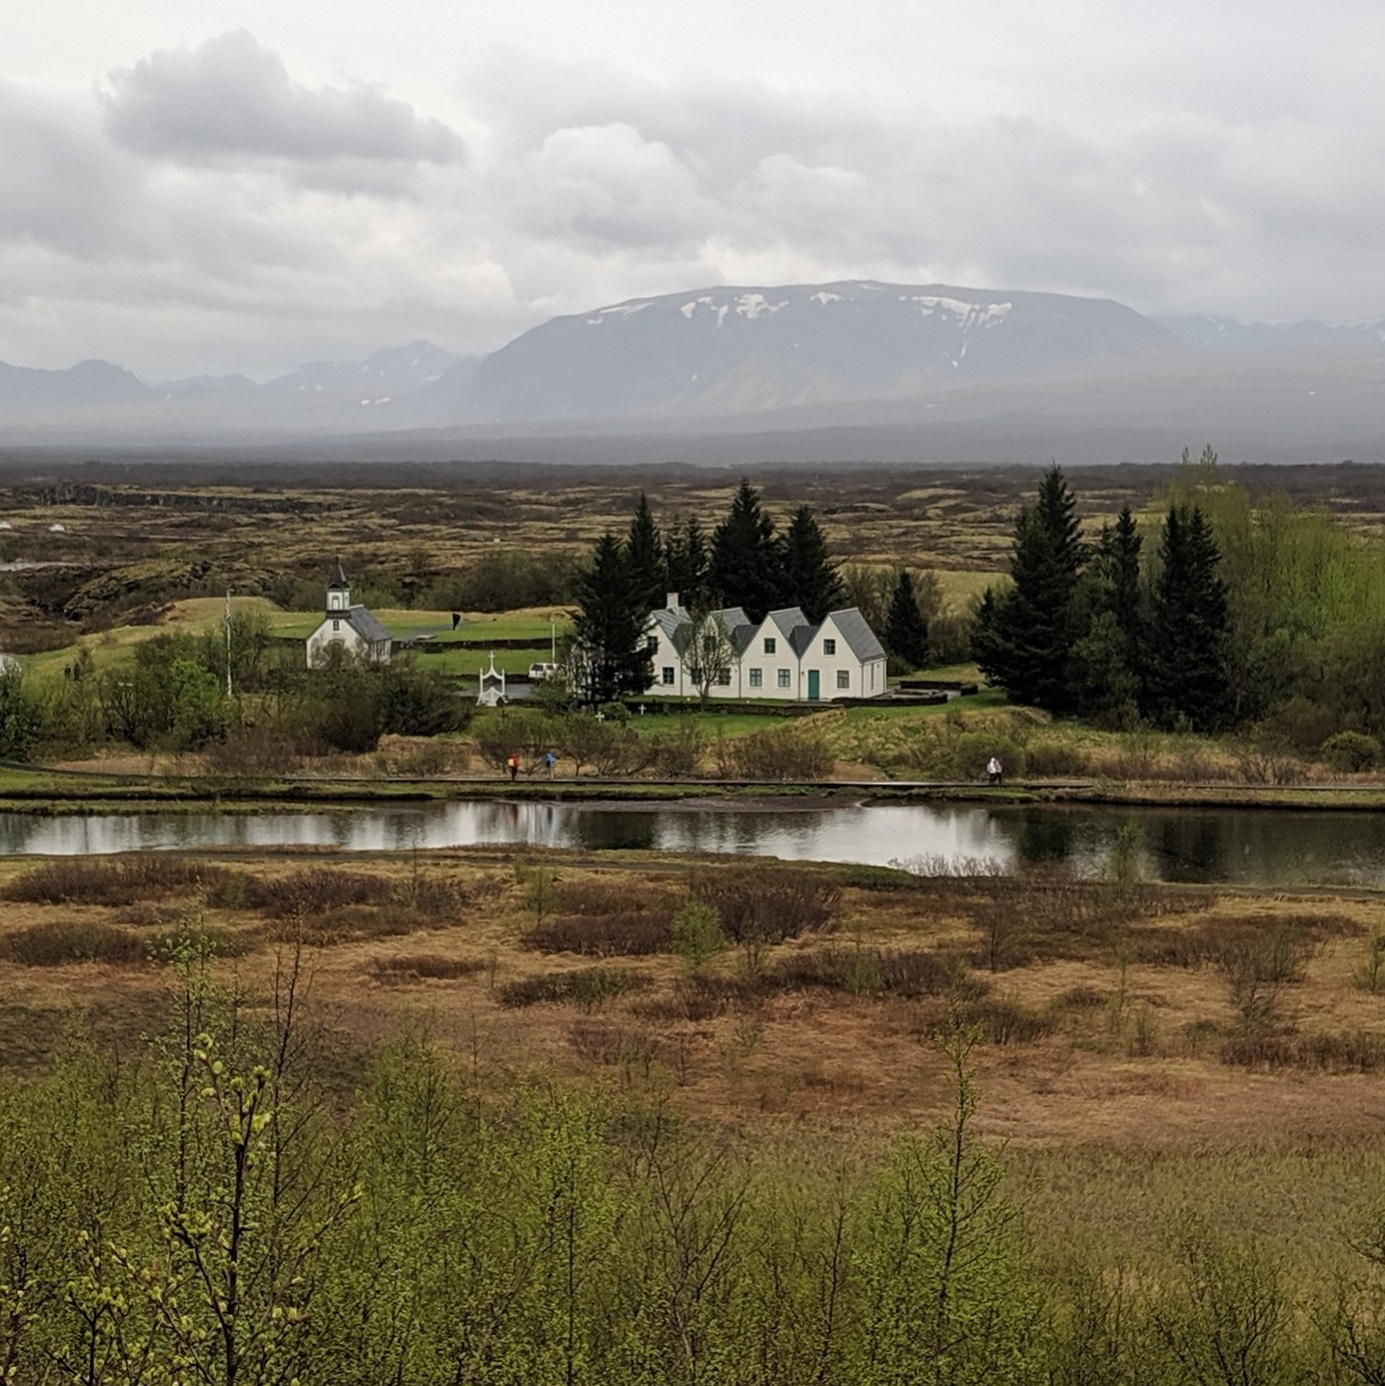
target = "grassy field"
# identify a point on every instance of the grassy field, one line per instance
(1122, 1065)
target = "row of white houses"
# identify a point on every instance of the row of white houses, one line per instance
(784, 657)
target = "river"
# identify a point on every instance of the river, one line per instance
(1256, 847)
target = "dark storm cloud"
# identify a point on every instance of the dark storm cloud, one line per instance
(231, 97)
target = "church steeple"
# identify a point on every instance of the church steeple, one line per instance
(339, 591)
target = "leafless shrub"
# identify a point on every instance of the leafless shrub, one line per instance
(349, 924)
(252, 753)
(416, 966)
(696, 997)
(782, 753)
(769, 904)
(633, 934)
(587, 896)
(316, 890)
(321, 890)
(589, 987)
(119, 880)
(1280, 948)
(1004, 1021)
(1257, 764)
(863, 971)
(57, 943)
(678, 752)
(601, 1043)
(1081, 998)
(1358, 1052)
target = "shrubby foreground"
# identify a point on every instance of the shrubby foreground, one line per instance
(211, 1208)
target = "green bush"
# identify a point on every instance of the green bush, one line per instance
(1349, 752)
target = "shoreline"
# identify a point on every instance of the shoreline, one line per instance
(63, 792)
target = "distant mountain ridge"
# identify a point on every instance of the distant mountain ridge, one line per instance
(856, 368)
(1206, 332)
(744, 349)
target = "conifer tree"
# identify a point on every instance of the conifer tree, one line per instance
(811, 579)
(1107, 668)
(1187, 652)
(906, 631)
(685, 563)
(610, 647)
(746, 567)
(644, 555)
(1023, 637)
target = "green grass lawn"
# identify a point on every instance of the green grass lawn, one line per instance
(407, 625)
(470, 662)
(712, 723)
(202, 614)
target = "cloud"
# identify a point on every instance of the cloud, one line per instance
(231, 97)
(207, 211)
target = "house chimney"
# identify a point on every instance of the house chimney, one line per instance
(672, 599)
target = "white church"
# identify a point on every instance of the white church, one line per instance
(785, 656)
(351, 628)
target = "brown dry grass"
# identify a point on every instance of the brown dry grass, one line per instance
(1128, 1053)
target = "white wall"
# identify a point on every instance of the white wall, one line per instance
(863, 680)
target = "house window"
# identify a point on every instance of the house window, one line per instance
(843, 678)
(829, 647)
(336, 623)
(666, 673)
(723, 678)
(783, 678)
(769, 644)
(757, 678)
(652, 645)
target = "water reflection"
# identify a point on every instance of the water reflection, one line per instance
(1240, 846)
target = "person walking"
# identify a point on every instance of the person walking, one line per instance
(549, 762)
(995, 772)
(513, 764)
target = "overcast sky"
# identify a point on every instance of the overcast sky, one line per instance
(221, 185)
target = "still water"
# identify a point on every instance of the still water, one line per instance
(1242, 846)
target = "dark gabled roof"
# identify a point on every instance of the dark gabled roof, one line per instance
(792, 624)
(670, 621)
(741, 636)
(366, 626)
(859, 637)
(339, 583)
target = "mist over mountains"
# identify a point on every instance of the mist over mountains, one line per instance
(856, 370)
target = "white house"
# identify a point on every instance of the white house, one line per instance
(351, 627)
(784, 656)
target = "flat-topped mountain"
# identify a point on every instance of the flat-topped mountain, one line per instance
(742, 350)
(854, 369)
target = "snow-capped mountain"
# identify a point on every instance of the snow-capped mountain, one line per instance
(740, 350)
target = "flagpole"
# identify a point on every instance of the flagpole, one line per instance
(228, 643)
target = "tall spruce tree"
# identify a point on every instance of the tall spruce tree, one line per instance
(811, 579)
(1107, 668)
(1188, 678)
(1023, 637)
(906, 631)
(746, 566)
(611, 654)
(644, 554)
(685, 563)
